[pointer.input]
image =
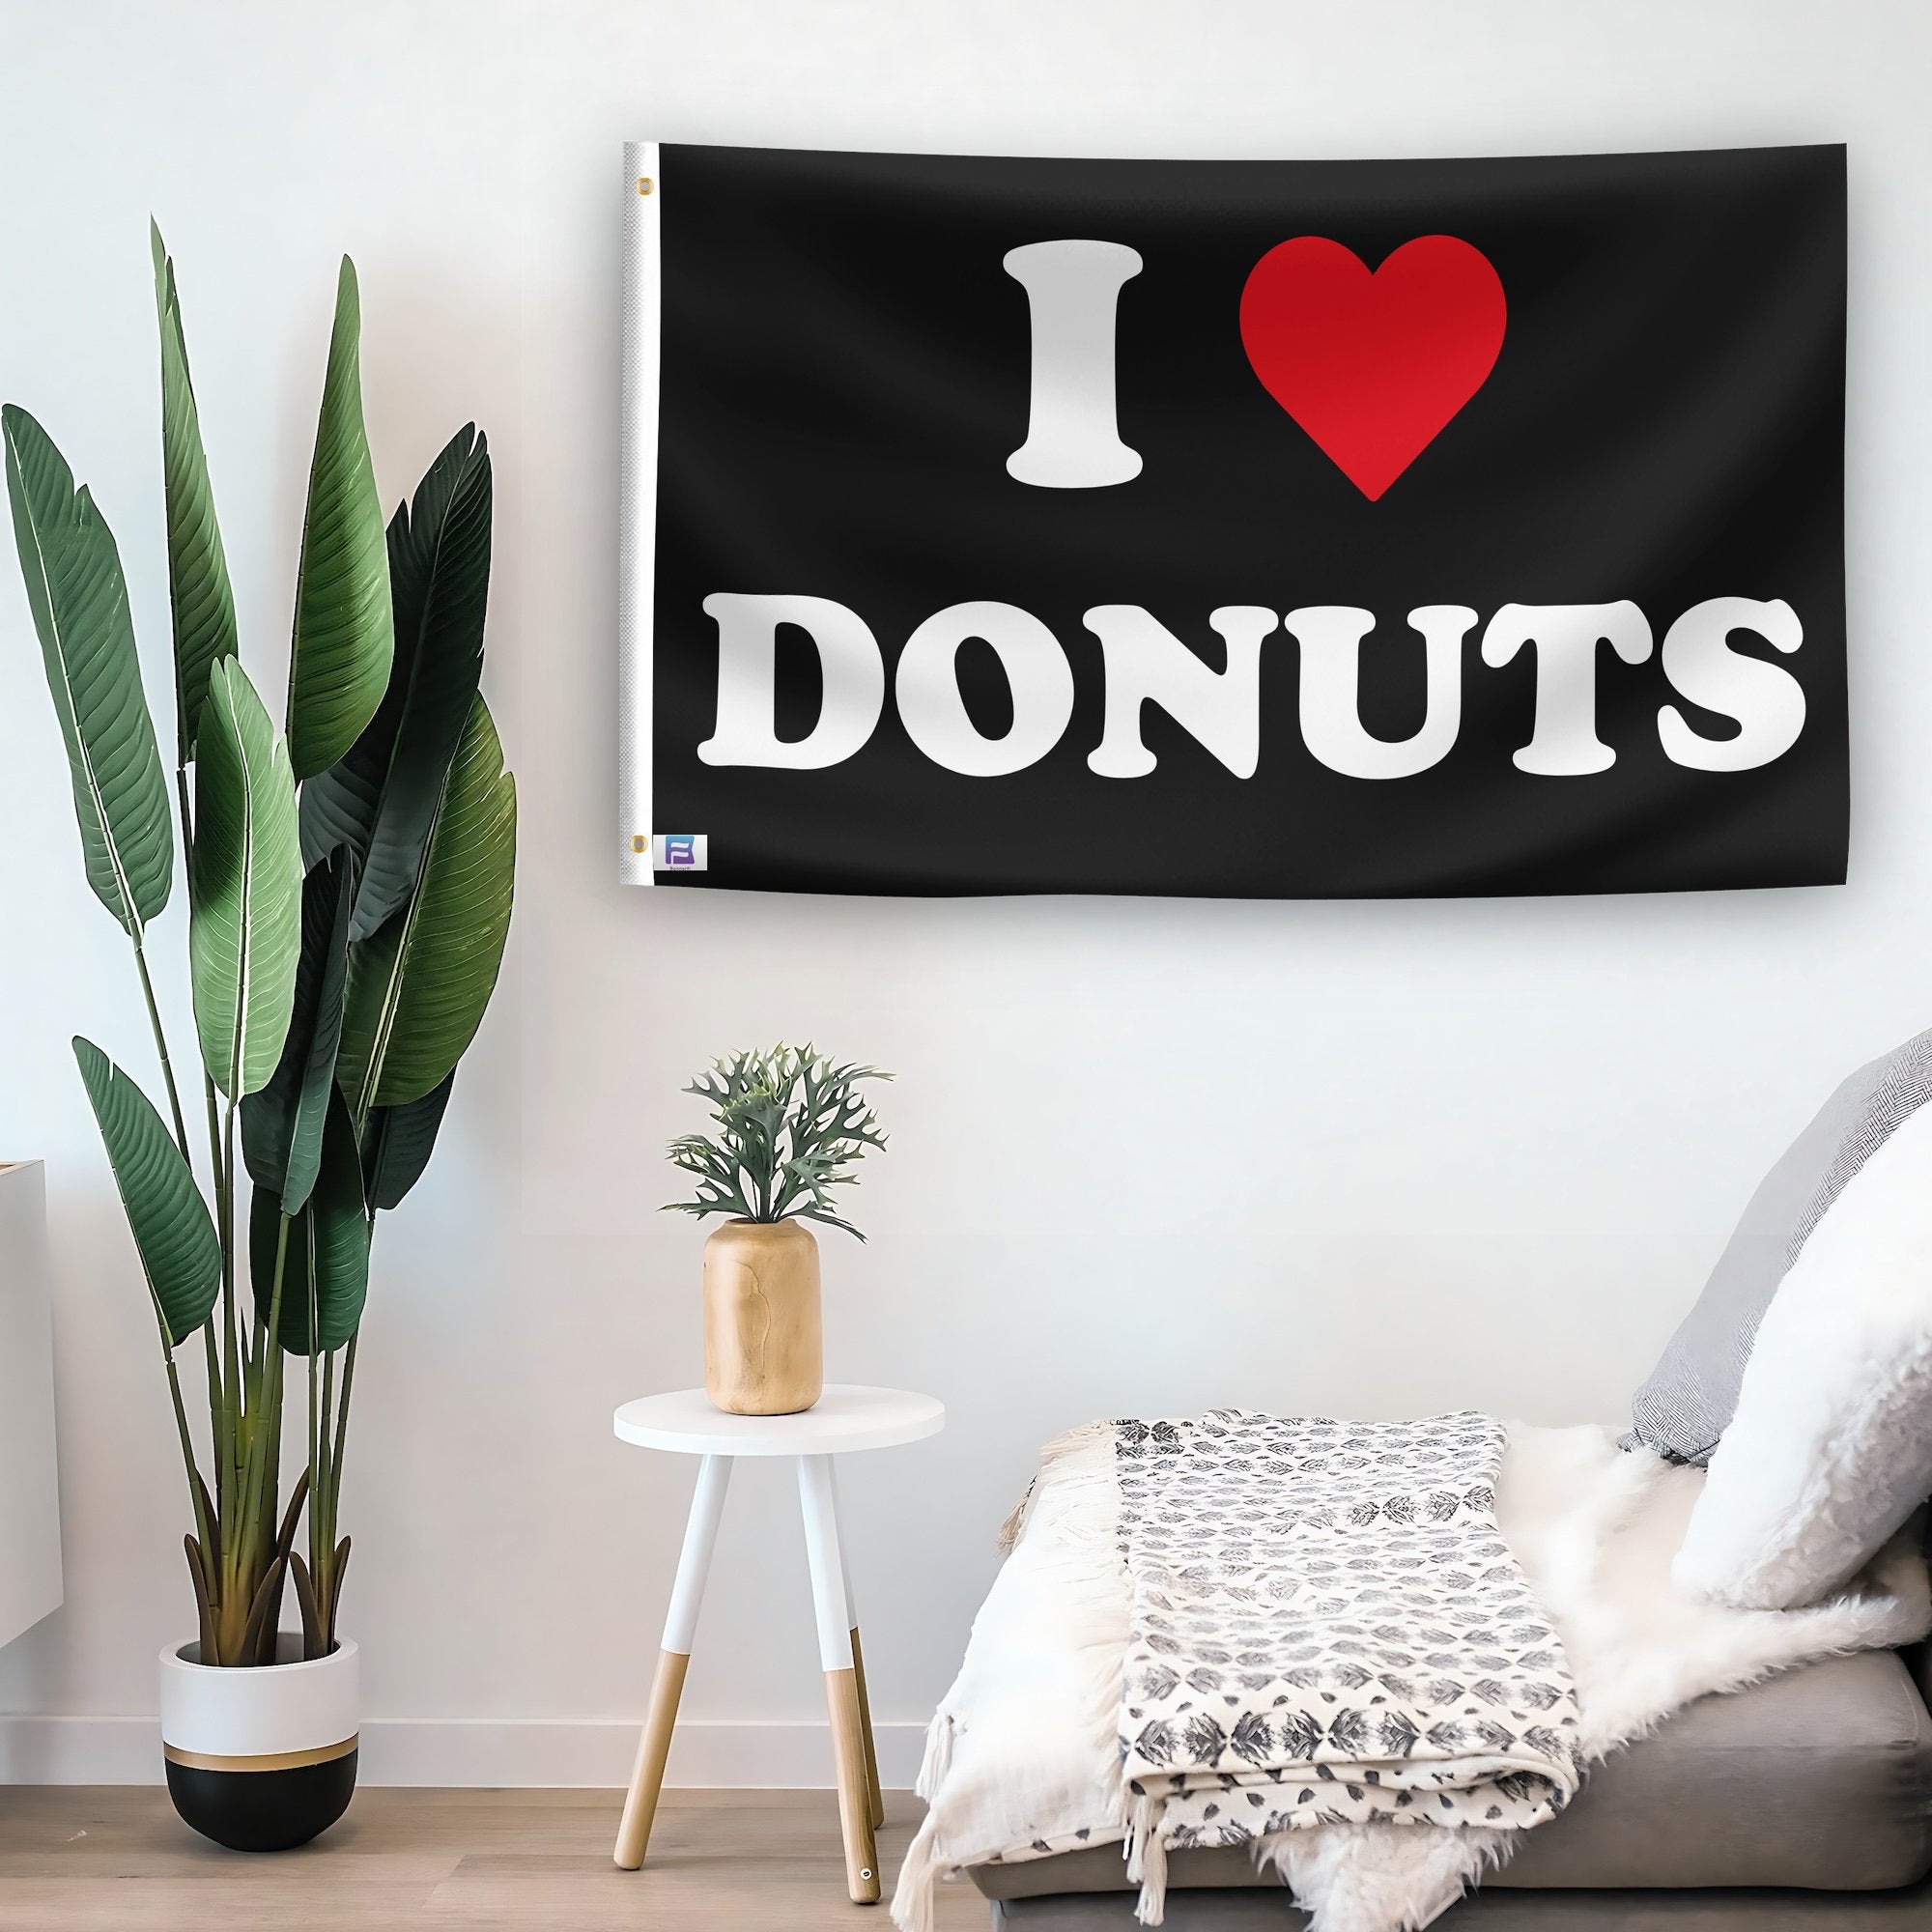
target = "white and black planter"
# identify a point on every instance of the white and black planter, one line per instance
(264, 1759)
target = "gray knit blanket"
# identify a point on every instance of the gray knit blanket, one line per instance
(1327, 1627)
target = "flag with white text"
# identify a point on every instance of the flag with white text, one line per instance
(1241, 528)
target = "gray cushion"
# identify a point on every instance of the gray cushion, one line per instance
(1820, 1779)
(1489, 1911)
(1692, 1393)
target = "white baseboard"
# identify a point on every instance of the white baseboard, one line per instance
(478, 1751)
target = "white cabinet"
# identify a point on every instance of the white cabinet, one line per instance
(30, 1557)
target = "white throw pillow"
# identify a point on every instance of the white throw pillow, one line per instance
(1831, 1449)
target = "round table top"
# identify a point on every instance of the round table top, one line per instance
(845, 1417)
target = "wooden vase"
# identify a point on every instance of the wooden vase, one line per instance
(764, 1348)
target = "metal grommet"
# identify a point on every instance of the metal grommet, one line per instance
(638, 842)
(643, 183)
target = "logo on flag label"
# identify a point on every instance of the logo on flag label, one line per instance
(679, 851)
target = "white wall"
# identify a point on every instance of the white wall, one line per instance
(1153, 1156)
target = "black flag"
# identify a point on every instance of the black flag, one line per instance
(1309, 529)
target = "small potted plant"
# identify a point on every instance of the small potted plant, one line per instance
(790, 1126)
(349, 888)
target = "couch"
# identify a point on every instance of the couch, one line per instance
(1801, 1804)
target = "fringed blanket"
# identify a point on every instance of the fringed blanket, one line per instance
(1326, 1627)
(1024, 1756)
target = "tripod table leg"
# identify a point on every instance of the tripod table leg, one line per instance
(694, 1563)
(878, 1802)
(817, 1505)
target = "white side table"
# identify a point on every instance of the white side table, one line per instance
(844, 1418)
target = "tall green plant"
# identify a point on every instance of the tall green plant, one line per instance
(350, 884)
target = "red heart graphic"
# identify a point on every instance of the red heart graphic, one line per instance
(1372, 366)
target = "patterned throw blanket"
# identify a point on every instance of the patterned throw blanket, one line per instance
(1327, 1626)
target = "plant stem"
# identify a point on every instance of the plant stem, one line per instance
(194, 1487)
(322, 1519)
(235, 1420)
(220, 1435)
(231, 1360)
(341, 1425)
(243, 1567)
(316, 1434)
(267, 1406)
(323, 1527)
(215, 1436)
(161, 1047)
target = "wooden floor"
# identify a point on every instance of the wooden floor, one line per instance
(75, 1859)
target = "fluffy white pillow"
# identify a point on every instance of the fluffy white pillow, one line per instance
(1831, 1449)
